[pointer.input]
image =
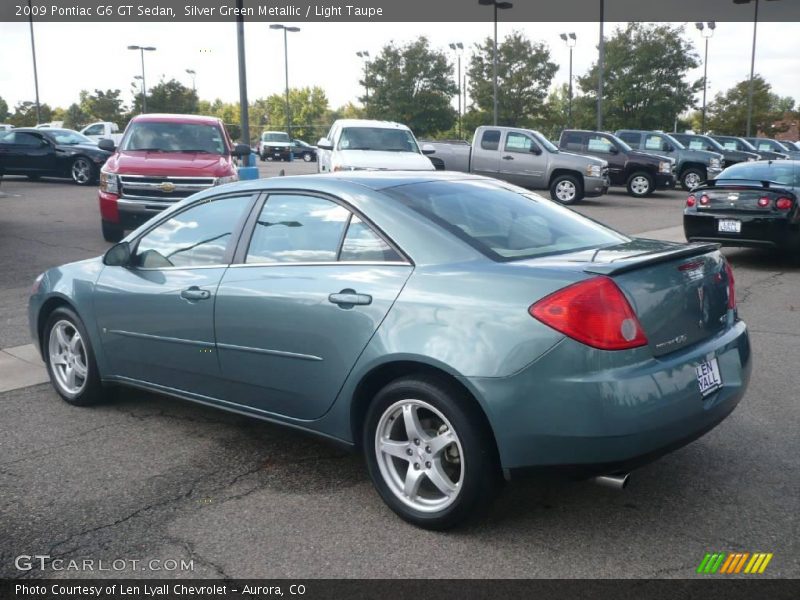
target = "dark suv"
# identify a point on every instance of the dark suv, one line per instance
(695, 141)
(774, 146)
(641, 173)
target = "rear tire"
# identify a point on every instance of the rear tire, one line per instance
(640, 184)
(112, 232)
(430, 453)
(566, 189)
(70, 359)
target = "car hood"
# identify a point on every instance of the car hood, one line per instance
(277, 144)
(648, 157)
(75, 148)
(377, 159)
(174, 164)
(578, 160)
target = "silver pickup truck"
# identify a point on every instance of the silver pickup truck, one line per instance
(525, 158)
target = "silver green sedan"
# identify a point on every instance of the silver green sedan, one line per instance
(454, 328)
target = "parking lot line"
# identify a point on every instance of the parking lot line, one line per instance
(21, 366)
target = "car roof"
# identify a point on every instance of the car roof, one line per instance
(370, 123)
(164, 117)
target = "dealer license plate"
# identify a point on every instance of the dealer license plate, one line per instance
(708, 377)
(729, 226)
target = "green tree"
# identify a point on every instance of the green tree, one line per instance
(556, 112)
(309, 111)
(168, 97)
(412, 84)
(3, 109)
(644, 85)
(102, 105)
(727, 114)
(25, 114)
(524, 73)
(75, 118)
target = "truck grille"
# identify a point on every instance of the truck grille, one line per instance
(162, 189)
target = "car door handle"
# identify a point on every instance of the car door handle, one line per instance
(507, 157)
(348, 298)
(195, 293)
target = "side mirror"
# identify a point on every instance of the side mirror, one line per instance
(667, 147)
(428, 149)
(613, 150)
(241, 150)
(119, 255)
(325, 144)
(107, 145)
(536, 150)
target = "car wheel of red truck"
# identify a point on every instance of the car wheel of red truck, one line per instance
(112, 232)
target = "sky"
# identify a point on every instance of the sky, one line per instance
(76, 56)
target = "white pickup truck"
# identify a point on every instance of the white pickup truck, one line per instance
(365, 145)
(103, 130)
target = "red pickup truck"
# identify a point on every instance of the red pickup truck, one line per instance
(160, 160)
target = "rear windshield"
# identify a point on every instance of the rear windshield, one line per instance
(275, 137)
(785, 172)
(162, 136)
(503, 222)
(377, 138)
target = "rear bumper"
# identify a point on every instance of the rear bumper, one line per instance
(757, 231)
(592, 412)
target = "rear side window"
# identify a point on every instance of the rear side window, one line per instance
(362, 244)
(490, 140)
(501, 222)
(633, 139)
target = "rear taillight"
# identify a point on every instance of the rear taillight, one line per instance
(731, 286)
(763, 202)
(690, 201)
(783, 203)
(704, 200)
(594, 312)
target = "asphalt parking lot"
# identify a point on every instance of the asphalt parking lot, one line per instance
(149, 477)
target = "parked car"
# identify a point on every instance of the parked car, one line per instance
(736, 143)
(775, 146)
(160, 160)
(692, 167)
(362, 144)
(452, 327)
(695, 141)
(752, 204)
(51, 125)
(639, 172)
(51, 153)
(5, 127)
(526, 158)
(791, 145)
(103, 130)
(275, 145)
(305, 151)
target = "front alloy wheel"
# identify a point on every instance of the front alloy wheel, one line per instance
(67, 354)
(82, 171)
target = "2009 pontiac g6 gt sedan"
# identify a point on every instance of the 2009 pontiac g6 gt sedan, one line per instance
(454, 328)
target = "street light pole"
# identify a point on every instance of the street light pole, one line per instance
(35, 73)
(365, 55)
(702, 28)
(570, 40)
(458, 47)
(142, 50)
(286, 31)
(600, 66)
(193, 74)
(497, 6)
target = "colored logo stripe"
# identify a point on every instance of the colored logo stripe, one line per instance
(734, 562)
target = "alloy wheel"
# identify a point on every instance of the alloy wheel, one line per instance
(565, 191)
(692, 180)
(419, 455)
(640, 185)
(81, 171)
(67, 355)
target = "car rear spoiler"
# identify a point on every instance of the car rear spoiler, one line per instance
(764, 183)
(632, 263)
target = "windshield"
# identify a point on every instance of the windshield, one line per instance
(621, 143)
(162, 136)
(548, 145)
(68, 137)
(677, 144)
(785, 172)
(275, 137)
(377, 138)
(503, 222)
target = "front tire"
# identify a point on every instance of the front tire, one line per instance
(83, 171)
(307, 157)
(70, 359)
(112, 232)
(429, 453)
(692, 177)
(566, 189)
(640, 184)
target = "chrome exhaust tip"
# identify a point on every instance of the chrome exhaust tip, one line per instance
(617, 481)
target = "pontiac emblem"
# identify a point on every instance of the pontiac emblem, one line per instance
(167, 187)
